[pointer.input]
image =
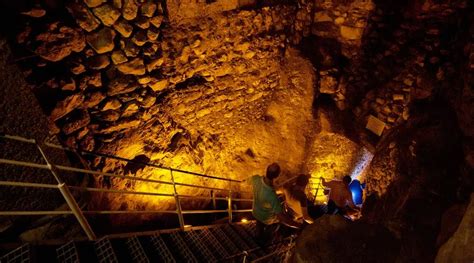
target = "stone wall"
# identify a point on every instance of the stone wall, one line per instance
(215, 95)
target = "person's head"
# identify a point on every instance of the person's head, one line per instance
(273, 171)
(347, 179)
(302, 180)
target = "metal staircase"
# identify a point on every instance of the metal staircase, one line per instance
(230, 242)
(177, 246)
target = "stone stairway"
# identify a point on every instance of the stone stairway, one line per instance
(216, 243)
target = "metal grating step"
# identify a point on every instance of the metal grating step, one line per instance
(182, 248)
(68, 253)
(105, 252)
(222, 237)
(197, 245)
(208, 238)
(243, 233)
(163, 251)
(236, 238)
(251, 229)
(19, 255)
(137, 253)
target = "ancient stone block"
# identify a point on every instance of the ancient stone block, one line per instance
(95, 80)
(121, 125)
(77, 122)
(124, 28)
(154, 64)
(142, 22)
(156, 21)
(107, 14)
(118, 57)
(94, 3)
(57, 45)
(102, 41)
(158, 85)
(351, 33)
(111, 104)
(121, 85)
(130, 49)
(93, 99)
(134, 67)
(130, 9)
(148, 9)
(83, 16)
(67, 105)
(328, 84)
(98, 62)
(140, 38)
(130, 109)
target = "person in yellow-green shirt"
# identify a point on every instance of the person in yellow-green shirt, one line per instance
(267, 208)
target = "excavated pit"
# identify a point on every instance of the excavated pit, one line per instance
(225, 88)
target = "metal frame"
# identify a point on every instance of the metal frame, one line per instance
(74, 208)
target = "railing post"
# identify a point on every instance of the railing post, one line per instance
(76, 210)
(71, 202)
(246, 254)
(229, 206)
(213, 197)
(177, 201)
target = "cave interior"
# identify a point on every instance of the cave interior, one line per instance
(172, 94)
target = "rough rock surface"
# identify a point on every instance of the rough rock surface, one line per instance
(335, 239)
(457, 248)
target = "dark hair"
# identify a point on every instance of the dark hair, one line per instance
(273, 171)
(302, 179)
(347, 179)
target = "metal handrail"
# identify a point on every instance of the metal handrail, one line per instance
(74, 169)
(79, 213)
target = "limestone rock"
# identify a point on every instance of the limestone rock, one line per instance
(158, 85)
(322, 17)
(134, 67)
(83, 16)
(130, 49)
(148, 9)
(130, 109)
(94, 3)
(118, 57)
(93, 99)
(87, 143)
(142, 22)
(98, 62)
(117, 3)
(333, 239)
(121, 125)
(102, 41)
(148, 101)
(78, 69)
(109, 116)
(95, 80)
(458, 247)
(130, 9)
(70, 84)
(156, 21)
(155, 63)
(124, 28)
(328, 84)
(77, 123)
(121, 85)
(112, 104)
(57, 45)
(67, 105)
(152, 34)
(351, 33)
(107, 14)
